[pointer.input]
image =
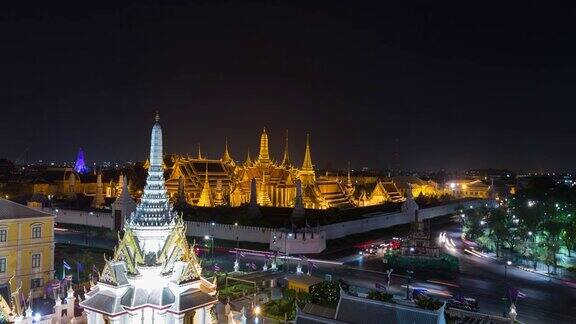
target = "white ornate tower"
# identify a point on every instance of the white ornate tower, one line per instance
(154, 275)
(153, 219)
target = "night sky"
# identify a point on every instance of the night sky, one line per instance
(453, 85)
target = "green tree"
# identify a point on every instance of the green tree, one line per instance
(499, 230)
(326, 293)
(473, 220)
(551, 241)
(568, 234)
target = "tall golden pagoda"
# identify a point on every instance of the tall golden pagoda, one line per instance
(307, 174)
(206, 195)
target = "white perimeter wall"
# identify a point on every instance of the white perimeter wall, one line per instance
(383, 220)
(79, 217)
(263, 235)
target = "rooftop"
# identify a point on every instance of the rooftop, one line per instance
(12, 210)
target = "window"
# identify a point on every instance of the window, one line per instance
(36, 260)
(36, 283)
(36, 231)
(3, 235)
(2, 265)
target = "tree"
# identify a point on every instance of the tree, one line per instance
(499, 230)
(326, 293)
(473, 219)
(568, 234)
(550, 238)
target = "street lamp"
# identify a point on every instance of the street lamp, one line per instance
(506, 265)
(286, 252)
(211, 238)
(410, 273)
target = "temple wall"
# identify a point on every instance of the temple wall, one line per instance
(383, 220)
(265, 235)
(229, 232)
(80, 217)
(306, 243)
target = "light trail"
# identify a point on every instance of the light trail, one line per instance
(444, 283)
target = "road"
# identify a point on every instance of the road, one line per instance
(483, 278)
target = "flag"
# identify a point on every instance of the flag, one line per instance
(216, 268)
(242, 255)
(512, 293)
(66, 265)
(521, 294)
(79, 267)
(314, 265)
(254, 267)
(94, 269)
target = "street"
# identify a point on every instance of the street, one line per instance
(481, 277)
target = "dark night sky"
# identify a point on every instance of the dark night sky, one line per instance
(451, 85)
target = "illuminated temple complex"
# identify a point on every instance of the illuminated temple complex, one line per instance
(205, 182)
(154, 275)
(213, 182)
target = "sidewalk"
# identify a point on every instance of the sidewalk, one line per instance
(568, 277)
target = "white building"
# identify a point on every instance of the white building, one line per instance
(154, 275)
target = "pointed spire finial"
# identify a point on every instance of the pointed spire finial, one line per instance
(157, 117)
(226, 158)
(307, 163)
(286, 159)
(199, 152)
(264, 155)
(248, 161)
(349, 180)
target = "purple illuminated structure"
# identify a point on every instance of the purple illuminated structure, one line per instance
(80, 167)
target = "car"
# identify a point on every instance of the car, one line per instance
(419, 293)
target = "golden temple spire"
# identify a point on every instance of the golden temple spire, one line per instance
(286, 160)
(226, 158)
(248, 161)
(349, 189)
(349, 181)
(307, 164)
(199, 152)
(264, 156)
(206, 194)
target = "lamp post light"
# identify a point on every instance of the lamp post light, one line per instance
(409, 277)
(508, 263)
(286, 252)
(211, 249)
(504, 299)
